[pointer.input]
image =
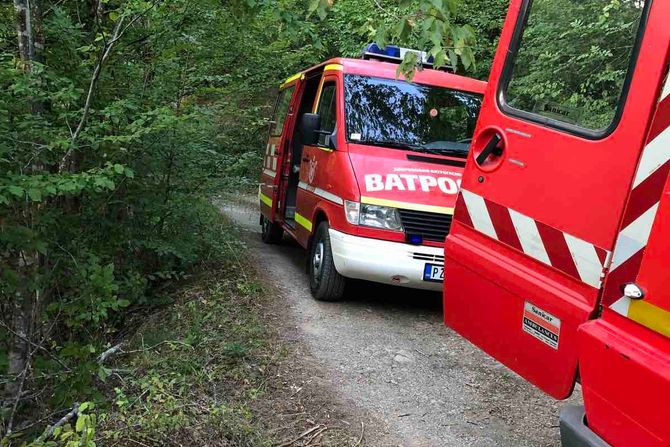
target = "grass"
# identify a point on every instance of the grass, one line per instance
(191, 373)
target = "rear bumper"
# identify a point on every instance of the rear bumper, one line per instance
(574, 432)
(383, 261)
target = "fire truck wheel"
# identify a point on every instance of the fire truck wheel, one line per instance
(272, 232)
(325, 282)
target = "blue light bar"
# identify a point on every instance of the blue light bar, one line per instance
(393, 53)
(389, 50)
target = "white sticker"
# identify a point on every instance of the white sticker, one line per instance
(355, 137)
(541, 325)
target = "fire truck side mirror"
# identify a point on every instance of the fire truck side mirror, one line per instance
(310, 125)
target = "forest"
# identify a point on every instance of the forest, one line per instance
(120, 122)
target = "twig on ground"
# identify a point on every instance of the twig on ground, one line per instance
(150, 348)
(362, 433)
(315, 435)
(110, 352)
(118, 349)
(302, 435)
(64, 420)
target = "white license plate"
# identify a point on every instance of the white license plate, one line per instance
(433, 272)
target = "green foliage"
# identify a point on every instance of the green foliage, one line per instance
(114, 136)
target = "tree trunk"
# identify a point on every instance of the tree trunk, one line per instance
(31, 43)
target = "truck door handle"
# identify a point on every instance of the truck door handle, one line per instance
(305, 159)
(491, 148)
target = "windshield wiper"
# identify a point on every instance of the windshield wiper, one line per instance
(414, 147)
(391, 143)
(455, 152)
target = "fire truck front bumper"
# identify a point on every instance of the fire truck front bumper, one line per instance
(387, 262)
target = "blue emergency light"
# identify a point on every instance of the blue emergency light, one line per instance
(393, 53)
(414, 239)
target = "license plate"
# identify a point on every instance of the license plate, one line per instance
(433, 272)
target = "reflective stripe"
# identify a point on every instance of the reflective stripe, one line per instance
(646, 314)
(265, 199)
(529, 236)
(407, 205)
(655, 155)
(303, 222)
(573, 256)
(666, 89)
(479, 214)
(321, 193)
(586, 260)
(633, 238)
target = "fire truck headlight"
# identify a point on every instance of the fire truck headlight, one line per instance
(373, 216)
(352, 210)
(380, 217)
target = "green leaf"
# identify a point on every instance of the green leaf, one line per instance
(35, 194)
(16, 190)
(81, 424)
(119, 169)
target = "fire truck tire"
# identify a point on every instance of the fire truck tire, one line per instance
(325, 283)
(271, 232)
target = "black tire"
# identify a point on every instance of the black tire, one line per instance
(325, 283)
(271, 232)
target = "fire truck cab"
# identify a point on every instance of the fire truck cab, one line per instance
(355, 162)
(557, 260)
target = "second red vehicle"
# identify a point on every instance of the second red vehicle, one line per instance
(356, 164)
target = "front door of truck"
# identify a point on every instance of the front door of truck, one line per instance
(564, 120)
(281, 129)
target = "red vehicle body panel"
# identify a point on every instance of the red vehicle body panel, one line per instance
(550, 230)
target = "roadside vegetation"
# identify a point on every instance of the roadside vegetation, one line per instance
(126, 315)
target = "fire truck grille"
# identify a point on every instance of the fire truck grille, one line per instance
(428, 257)
(430, 226)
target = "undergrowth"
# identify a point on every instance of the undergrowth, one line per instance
(192, 371)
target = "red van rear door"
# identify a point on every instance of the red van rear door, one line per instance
(567, 110)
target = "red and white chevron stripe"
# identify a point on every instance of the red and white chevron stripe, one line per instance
(645, 195)
(569, 254)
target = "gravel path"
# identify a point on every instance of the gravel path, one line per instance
(388, 353)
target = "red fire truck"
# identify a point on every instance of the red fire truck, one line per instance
(558, 256)
(356, 160)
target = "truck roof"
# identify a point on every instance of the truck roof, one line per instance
(389, 70)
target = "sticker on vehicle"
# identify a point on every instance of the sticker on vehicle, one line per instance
(541, 325)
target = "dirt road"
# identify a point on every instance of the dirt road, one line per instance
(387, 352)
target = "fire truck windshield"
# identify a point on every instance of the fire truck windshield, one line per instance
(401, 115)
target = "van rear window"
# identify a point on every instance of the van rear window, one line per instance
(572, 60)
(398, 114)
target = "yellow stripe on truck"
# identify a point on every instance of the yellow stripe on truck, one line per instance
(303, 222)
(407, 205)
(336, 67)
(295, 77)
(648, 315)
(265, 199)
